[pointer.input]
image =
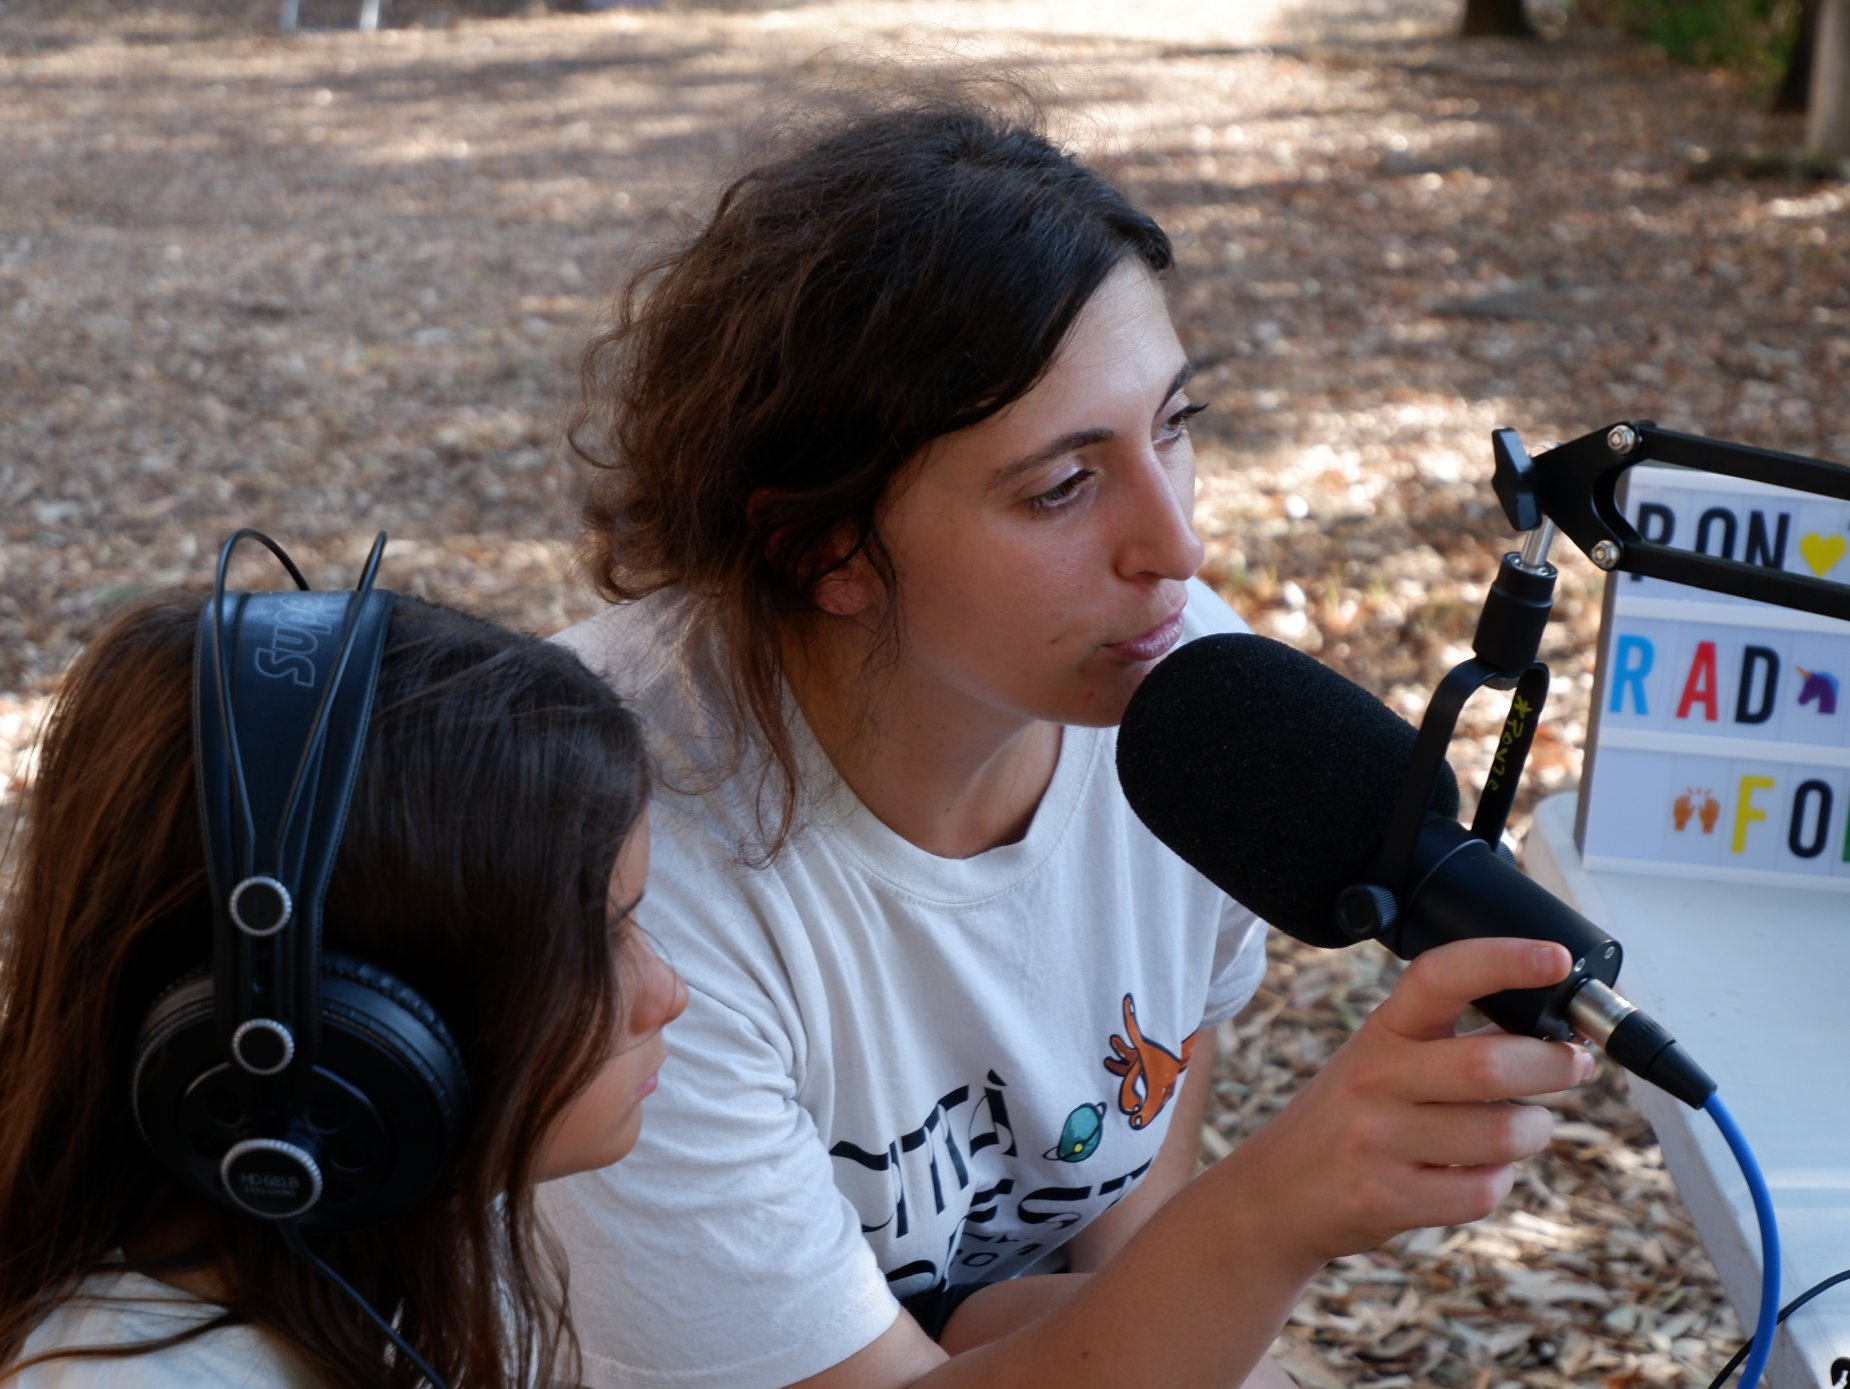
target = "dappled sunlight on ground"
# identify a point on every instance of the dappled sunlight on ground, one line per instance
(337, 282)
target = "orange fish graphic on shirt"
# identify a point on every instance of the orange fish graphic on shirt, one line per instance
(1150, 1071)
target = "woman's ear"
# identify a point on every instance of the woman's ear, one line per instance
(845, 583)
(848, 586)
(844, 590)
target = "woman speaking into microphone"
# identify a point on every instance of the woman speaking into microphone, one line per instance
(893, 493)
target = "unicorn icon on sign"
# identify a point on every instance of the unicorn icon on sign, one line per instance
(1820, 688)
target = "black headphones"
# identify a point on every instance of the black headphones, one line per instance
(301, 1086)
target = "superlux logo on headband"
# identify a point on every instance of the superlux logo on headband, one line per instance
(289, 652)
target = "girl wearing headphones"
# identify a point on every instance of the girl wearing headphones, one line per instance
(895, 500)
(486, 880)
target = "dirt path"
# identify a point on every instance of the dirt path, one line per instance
(336, 282)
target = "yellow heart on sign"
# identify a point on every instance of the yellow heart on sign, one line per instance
(1821, 552)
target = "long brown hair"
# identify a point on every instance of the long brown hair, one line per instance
(905, 274)
(499, 780)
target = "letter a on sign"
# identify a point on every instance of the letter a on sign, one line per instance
(1700, 688)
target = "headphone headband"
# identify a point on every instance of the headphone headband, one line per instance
(272, 810)
(295, 1084)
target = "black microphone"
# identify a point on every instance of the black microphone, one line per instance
(1277, 779)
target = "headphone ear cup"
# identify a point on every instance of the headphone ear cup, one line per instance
(390, 1096)
(188, 1100)
(384, 1110)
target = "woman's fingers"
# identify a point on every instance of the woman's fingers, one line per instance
(1413, 1125)
(1493, 1065)
(1475, 1135)
(1432, 1196)
(1450, 1165)
(1437, 987)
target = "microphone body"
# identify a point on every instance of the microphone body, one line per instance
(1277, 779)
(1462, 889)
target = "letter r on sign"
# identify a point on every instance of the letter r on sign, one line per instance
(1632, 660)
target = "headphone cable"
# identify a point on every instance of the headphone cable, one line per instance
(1823, 1285)
(293, 1238)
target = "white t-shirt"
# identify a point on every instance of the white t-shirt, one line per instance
(121, 1308)
(896, 1072)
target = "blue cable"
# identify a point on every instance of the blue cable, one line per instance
(1762, 1344)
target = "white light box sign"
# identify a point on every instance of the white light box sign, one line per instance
(1720, 739)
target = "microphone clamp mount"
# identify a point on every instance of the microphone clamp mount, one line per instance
(1572, 488)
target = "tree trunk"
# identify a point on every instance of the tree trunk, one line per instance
(1794, 95)
(1496, 19)
(1827, 127)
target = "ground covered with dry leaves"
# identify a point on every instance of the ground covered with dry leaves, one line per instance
(335, 282)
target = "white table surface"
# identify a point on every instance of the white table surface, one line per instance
(1754, 982)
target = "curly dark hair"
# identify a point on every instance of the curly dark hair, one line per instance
(906, 274)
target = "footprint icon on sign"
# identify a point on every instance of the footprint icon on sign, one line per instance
(1696, 803)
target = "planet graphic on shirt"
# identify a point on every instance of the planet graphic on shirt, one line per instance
(1080, 1134)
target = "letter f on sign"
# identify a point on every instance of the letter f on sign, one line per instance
(1745, 810)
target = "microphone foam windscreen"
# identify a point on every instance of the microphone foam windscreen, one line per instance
(1275, 777)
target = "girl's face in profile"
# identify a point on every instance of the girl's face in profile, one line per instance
(1040, 555)
(601, 1123)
